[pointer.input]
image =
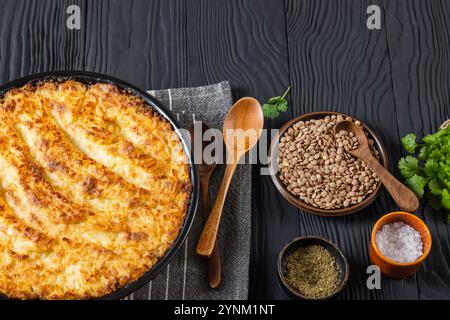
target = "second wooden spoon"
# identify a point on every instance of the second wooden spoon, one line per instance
(206, 170)
(402, 195)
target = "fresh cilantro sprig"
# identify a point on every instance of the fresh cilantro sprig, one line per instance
(428, 172)
(409, 143)
(273, 106)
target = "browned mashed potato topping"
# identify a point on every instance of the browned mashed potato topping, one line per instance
(94, 188)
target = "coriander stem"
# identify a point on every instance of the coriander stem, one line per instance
(285, 93)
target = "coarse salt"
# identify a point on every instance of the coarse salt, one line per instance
(400, 242)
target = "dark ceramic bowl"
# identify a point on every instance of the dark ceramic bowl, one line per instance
(296, 201)
(300, 242)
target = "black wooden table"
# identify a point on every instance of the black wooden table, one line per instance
(395, 79)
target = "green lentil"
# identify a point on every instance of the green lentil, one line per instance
(312, 271)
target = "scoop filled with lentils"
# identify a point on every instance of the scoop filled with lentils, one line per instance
(315, 167)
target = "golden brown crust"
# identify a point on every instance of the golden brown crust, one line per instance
(94, 187)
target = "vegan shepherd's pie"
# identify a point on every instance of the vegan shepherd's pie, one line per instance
(94, 189)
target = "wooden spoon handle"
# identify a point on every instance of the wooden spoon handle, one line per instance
(214, 267)
(207, 240)
(402, 195)
(204, 182)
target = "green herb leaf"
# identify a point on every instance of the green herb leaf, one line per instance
(417, 184)
(430, 139)
(436, 154)
(431, 167)
(442, 177)
(408, 166)
(282, 106)
(445, 199)
(435, 187)
(435, 138)
(424, 151)
(409, 143)
(270, 111)
(273, 106)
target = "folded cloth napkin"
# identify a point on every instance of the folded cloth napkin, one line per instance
(185, 277)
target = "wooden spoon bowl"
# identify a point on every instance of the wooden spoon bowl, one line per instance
(297, 202)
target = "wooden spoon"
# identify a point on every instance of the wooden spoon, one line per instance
(402, 195)
(241, 131)
(205, 169)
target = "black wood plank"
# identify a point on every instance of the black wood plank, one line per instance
(245, 42)
(419, 46)
(34, 38)
(143, 42)
(336, 63)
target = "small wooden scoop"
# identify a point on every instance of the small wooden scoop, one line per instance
(241, 131)
(402, 195)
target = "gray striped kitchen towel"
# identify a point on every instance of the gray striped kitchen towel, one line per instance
(185, 277)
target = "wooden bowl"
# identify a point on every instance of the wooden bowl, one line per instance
(296, 201)
(341, 261)
(391, 268)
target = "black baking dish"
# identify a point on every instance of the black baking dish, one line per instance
(90, 78)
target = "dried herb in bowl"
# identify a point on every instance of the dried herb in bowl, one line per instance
(312, 271)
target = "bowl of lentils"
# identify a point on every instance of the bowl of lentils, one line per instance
(310, 167)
